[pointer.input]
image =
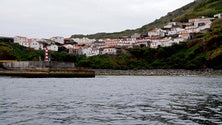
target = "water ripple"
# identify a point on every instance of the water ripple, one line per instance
(112, 100)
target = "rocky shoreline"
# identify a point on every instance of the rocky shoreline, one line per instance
(158, 72)
(47, 73)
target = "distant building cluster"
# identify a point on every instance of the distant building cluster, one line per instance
(172, 33)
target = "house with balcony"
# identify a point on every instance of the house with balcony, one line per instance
(143, 42)
(95, 51)
(126, 43)
(112, 42)
(199, 24)
(112, 51)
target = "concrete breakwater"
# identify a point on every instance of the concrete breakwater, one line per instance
(56, 74)
(43, 69)
(151, 72)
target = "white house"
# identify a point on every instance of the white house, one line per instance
(156, 32)
(58, 39)
(84, 40)
(99, 44)
(201, 22)
(25, 43)
(20, 40)
(128, 43)
(53, 47)
(145, 42)
(166, 42)
(109, 51)
(178, 40)
(111, 42)
(172, 32)
(86, 51)
(170, 25)
(77, 50)
(184, 36)
(219, 15)
(192, 29)
(68, 46)
(94, 52)
(155, 44)
(36, 45)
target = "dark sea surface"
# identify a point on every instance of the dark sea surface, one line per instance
(118, 100)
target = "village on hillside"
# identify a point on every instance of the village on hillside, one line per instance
(172, 33)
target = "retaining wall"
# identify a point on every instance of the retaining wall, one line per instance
(36, 64)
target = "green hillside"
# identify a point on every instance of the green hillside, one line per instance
(195, 9)
(12, 51)
(204, 51)
(205, 8)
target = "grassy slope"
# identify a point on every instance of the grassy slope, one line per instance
(12, 51)
(205, 8)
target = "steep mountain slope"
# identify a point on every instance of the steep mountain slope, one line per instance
(180, 14)
(205, 8)
(204, 51)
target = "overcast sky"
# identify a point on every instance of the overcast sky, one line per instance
(47, 18)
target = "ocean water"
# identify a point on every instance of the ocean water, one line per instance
(108, 100)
